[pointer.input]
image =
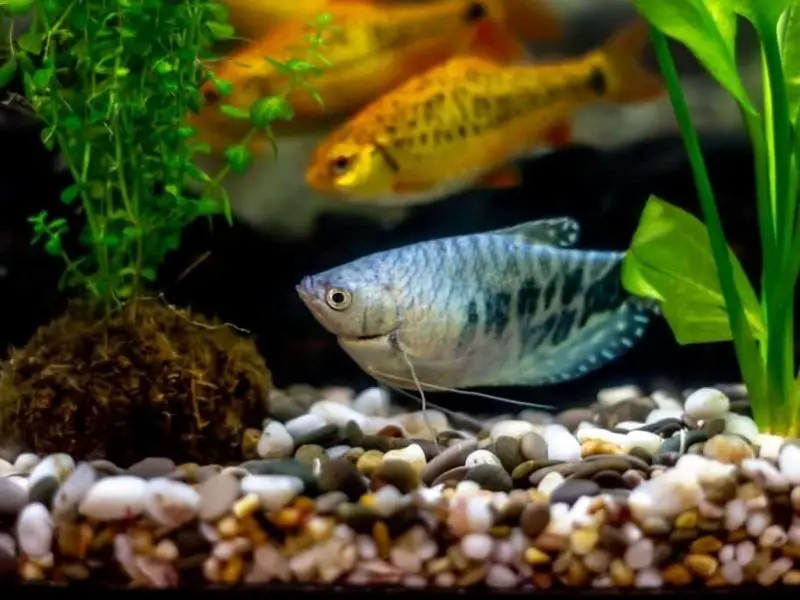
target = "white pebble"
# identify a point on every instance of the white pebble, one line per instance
(615, 395)
(735, 514)
(476, 546)
(337, 451)
(482, 457)
(511, 428)
(640, 554)
(765, 474)
(707, 403)
(648, 579)
(114, 498)
(170, 503)
(658, 414)
(373, 402)
(773, 537)
(35, 530)
(550, 482)
(561, 444)
(26, 462)
(745, 552)
(303, 425)
(732, 572)
(769, 446)
(666, 496)
(646, 440)
(335, 413)
(70, 494)
(741, 425)
(479, 515)
(388, 500)
(727, 553)
(413, 454)
(629, 425)
(274, 491)
(789, 463)
(275, 441)
(756, 523)
(56, 465)
(666, 400)
(501, 577)
(420, 423)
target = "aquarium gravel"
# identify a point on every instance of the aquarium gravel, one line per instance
(635, 491)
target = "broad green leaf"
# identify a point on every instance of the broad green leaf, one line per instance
(761, 13)
(790, 50)
(670, 260)
(30, 42)
(7, 71)
(708, 29)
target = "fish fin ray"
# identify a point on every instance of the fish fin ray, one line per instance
(492, 41)
(593, 347)
(562, 232)
(505, 177)
(532, 20)
(629, 79)
(560, 134)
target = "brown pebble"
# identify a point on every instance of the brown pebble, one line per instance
(507, 449)
(451, 477)
(398, 473)
(490, 477)
(369, 462)
(621, 573)
(572, 489)
(380, 533)
(676, 574)
(452, 457)
(730, 449)
(705, 545)
(572, 417)
(534, 519)
(609, 480)
(533, 447)
(701, 564)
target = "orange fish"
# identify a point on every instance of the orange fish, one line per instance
(370, 49)
(462, 124)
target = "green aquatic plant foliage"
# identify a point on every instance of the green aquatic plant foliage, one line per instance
(686, 283)
(765, 345)
(113, 83)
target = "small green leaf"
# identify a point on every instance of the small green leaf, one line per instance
(70, 193)
(131, 233)
(207, 206)
(233, 112)
(670, 260)
(41, 78)
(186, 132)
(221, 31)
(148, 274)
(708, 29)
(238, 157)
(18, 7)
(7, 71)
(53, 246)
(30, 42)
(790, 50)
(266, 111)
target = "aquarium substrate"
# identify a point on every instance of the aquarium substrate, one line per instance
(635, 491)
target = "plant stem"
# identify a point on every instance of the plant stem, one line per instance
(742, 335)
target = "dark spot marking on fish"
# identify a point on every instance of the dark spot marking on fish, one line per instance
(390, 160)
(412, 124)
(603, 295)
(498, 313)
(549, 293)
(211, 95)
(470, 328)
(566, 319)
(477, 130)
(391, 129)
(423, 138)
(476, 11)
(462, 131)
(539, 334)
(573, 278)
(528, 298)
(403, 142)
(597, 81)
(481, 107)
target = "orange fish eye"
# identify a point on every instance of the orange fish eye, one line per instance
(340, 165)
(211, 95)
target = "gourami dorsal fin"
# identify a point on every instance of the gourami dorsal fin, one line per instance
(562, 232)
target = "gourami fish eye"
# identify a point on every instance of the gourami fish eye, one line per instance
(338, 299)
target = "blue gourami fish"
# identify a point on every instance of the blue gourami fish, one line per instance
(513, 307)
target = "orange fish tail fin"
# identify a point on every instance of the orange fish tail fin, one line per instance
(530, 20)
(628, 79)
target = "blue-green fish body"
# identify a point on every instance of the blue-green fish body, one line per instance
(512, 307)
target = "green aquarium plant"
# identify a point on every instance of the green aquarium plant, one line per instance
(113, 83)
(687, 265)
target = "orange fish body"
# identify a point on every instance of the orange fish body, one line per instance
(254, 18)
(462, 123)
(371, 48)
